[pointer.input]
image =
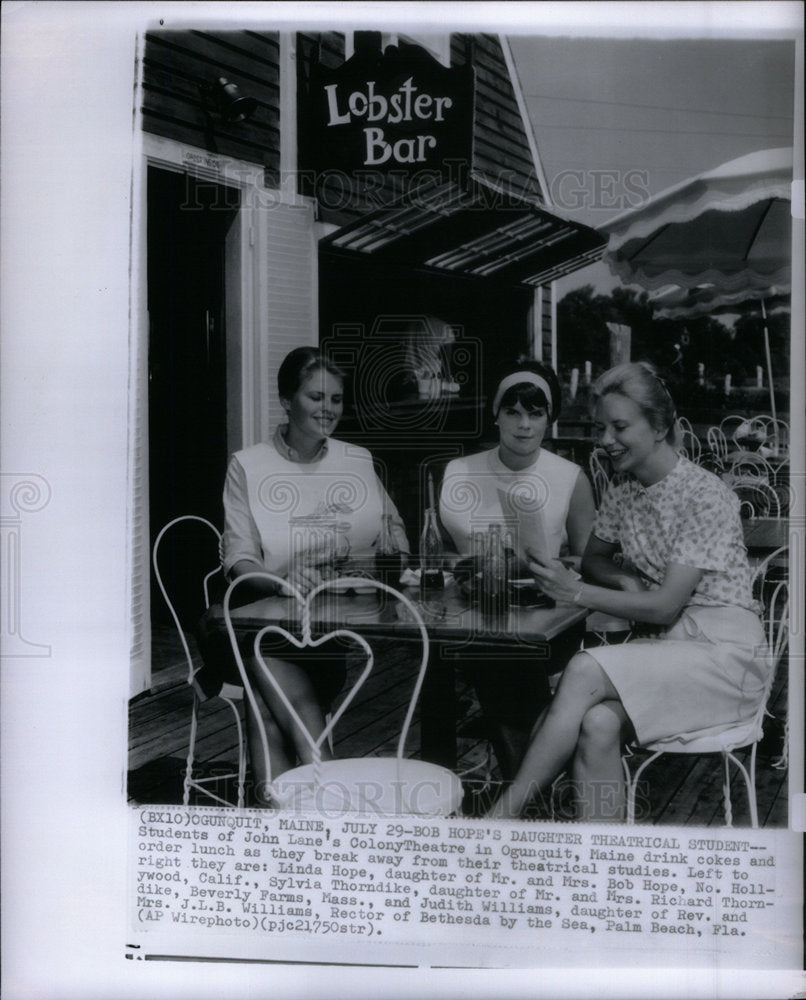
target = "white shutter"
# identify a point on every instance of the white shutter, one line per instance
(272, 307)
(286, 314)
(139, 573)
(137, 519)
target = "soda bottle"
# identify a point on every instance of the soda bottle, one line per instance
(494, 573)
(431, 577)
(478, 556)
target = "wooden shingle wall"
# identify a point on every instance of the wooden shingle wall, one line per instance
(501, 148)
(176, 64)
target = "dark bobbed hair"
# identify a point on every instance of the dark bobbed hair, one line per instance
(640, 382)
(298, 365)
(530, 396)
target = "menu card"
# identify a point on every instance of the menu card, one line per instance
(525, 520)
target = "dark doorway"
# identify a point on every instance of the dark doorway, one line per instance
(187, 226)
(361, 299)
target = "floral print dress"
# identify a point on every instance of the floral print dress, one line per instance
(707, 671)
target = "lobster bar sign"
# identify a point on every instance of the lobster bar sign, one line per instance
(403, 108)
(400, 111)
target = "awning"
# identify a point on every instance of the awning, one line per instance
(477, 229)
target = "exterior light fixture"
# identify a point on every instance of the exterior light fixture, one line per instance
(231, 105)
(224, 98)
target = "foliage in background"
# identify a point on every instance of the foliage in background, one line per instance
(675, 345)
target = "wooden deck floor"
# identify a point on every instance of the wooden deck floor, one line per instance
(682, 791)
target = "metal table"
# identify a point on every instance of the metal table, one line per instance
(458, 633)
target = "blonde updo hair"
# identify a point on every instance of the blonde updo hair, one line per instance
(639, 382)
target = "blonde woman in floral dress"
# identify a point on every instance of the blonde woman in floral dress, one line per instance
(683, 571)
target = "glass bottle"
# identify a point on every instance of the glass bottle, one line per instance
(494, 574)
(478, 554)
(431, 577)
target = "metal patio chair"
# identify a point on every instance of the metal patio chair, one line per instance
(771, 586)
(230, 694)
(381, 785)
(600, 474)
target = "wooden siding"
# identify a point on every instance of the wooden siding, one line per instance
(501, 149)
(176, 65)
(326, 47)
(545, 322)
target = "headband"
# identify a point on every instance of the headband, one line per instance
(664, 386)
(516, 378)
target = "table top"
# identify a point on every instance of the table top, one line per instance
(750, 442)
(765, 533)
(447, 615)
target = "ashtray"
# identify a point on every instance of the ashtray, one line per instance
(526, 594)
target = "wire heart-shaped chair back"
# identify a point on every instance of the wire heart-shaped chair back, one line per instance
(229, 694)
(600, 474)
(399, 772)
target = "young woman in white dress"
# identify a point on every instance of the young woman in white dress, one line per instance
(276, 494)
(548, 489)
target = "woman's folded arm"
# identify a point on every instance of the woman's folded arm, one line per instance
(599, 567)
(660, 606)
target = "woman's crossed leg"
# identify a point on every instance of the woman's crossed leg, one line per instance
(585, 721)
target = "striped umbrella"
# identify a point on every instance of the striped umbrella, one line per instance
(719, 238)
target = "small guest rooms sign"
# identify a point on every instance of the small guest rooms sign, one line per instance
(401, 111)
